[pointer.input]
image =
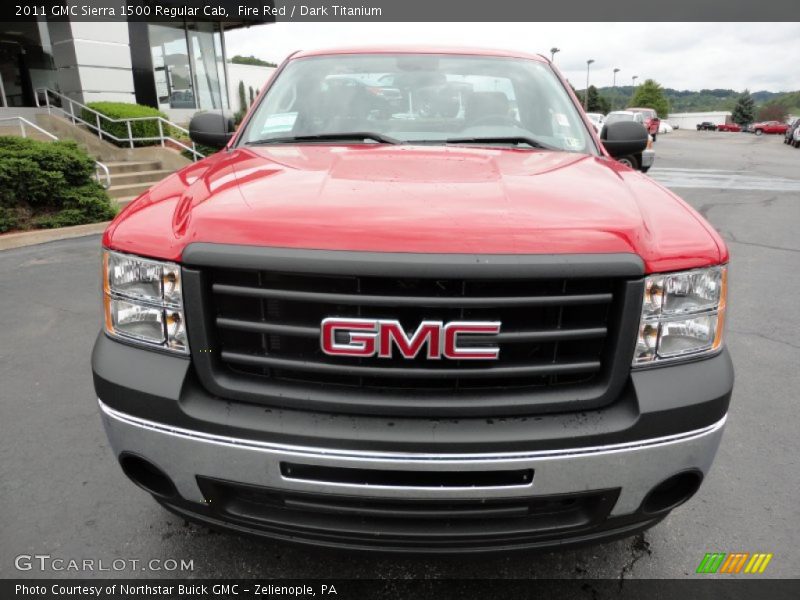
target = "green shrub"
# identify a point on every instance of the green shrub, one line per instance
(9, 219)
(48, 184)
(124, 110)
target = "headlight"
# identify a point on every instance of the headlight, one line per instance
(143, 301)
(682, 315)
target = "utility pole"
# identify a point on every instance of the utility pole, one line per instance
(586, 95)
(614, 87)
(553, 52)
(635, 77)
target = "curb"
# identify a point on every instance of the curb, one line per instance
(40, 236)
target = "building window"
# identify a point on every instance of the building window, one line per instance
(171, 66)
(26, 62)
(208, 66)
(188, 65)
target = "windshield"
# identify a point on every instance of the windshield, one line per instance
(419, 98)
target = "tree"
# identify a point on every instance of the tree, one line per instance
(252, 60)
(242, 97)
(596, 102)
(239, 114)
(744, 112)
(773, 111)
(651, 95)
(252, 95)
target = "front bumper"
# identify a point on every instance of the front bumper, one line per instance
(288, 474)
(621, 474)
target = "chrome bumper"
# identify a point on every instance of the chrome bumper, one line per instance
(634, 467)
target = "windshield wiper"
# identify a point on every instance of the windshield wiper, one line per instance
(329, 137)
(511, 139)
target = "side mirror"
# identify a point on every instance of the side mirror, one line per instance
(212, 129)
(624, 138)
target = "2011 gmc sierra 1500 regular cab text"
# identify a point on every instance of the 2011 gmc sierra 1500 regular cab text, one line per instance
(415, 305)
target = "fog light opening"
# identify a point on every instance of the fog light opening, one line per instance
(672, 492)
(147, 476)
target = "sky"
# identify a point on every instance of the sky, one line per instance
(684, 56)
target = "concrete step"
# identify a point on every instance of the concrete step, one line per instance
(128, 166)
(130, 189)
(127, 177)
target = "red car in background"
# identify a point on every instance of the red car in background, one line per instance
(729, 127)
(769, 127)
(651, 120)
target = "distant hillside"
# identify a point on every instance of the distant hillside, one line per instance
(704, 100)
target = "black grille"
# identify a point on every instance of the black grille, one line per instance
(434, 522)
(553, 331)
(566, 342)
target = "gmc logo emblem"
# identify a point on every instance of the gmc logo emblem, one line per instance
(384, 337)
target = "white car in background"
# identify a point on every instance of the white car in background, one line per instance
(665, 127)
(597, 120)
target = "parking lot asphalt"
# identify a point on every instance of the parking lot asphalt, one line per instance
(63, 493)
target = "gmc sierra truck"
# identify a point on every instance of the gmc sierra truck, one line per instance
(368, 324)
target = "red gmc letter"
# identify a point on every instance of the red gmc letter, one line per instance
(427, 332)
(362, 337)
(454, 328)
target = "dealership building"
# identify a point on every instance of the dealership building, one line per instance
(178, 67)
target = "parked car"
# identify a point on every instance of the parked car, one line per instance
(597, 120)
(788, 137)
(439, 334)
(640, 160)
(706, 126)
(796, 137)
(773, 127)
(734, 127)
(651, 120)
(665, 127)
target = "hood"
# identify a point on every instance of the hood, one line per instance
(428, 199)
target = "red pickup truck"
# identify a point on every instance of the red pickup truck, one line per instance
(769, 127)
(360, 325)
(651, 120)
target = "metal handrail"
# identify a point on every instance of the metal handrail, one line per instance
(164, 125)
(98, 166)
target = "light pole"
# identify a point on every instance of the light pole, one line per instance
(586, 95)
(614, 86)
(635, 77)
(553, 52)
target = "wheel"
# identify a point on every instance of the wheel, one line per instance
(759, 131)
(629, 161)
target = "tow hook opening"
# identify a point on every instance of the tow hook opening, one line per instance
(672, 492)
(147, 476)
